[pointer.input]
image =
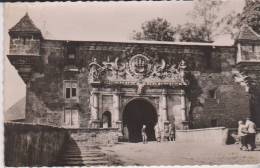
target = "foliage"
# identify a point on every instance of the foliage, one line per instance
(191, 32)
(251, 15)
(206, 23)
(158, 29)
(204, 16)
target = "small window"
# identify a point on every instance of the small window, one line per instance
(70, 89)
(213, 93)
(71, 56)
(67, 93)
(214, 123)
(24, 40)
(73, 92)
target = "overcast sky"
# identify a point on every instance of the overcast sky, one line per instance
(105, 21)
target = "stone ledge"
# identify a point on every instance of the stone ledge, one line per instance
(202, 129)
(31, 126)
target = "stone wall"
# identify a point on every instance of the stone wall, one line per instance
(32, 145)
(217, 135)
(25, 46)
(104, 136)
(208, 68)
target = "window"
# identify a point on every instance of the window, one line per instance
(213, 93)
(24, 40)
(214, 123)
(71, 56)
(70, 89)
(250, 52)
(71, 117)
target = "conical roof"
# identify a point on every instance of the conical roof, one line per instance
(247, 33)
(25, 25)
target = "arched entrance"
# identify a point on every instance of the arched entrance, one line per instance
(137, 113)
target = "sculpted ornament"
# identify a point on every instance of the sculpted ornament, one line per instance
(140, 70)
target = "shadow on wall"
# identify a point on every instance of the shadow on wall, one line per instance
(32, 145)
(193, 91)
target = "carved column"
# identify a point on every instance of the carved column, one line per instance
(94, 109)
(163, 111)
(116, 123)
(164, 106)
(183, 110)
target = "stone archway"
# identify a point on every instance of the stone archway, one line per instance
(139, 112)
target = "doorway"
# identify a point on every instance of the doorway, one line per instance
(137, 113)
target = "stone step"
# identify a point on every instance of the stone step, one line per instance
(87, 163)
(84, 159)
(83, 152)
(83, 145)
(81, 148)
(83, 155)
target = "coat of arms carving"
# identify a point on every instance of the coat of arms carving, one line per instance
(139, 70)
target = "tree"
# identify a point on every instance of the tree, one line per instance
(191, 32)
(158, 29)
(204, 17)
(251, 15)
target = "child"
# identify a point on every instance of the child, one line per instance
(144, 136)
(242, 135)
(172, 134)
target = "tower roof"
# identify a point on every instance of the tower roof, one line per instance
(247, 33)
(25, 25)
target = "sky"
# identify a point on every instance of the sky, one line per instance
(98, 21)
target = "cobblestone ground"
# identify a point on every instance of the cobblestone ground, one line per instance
(168, 153)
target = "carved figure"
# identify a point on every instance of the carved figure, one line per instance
(94, 70)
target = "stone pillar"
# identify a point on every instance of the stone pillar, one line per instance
(239, 57)
(94, 109)
(183, 111)
(164, 106)
(163, 113)
(115, 115)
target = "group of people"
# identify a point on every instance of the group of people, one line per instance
(168, 134)
(246, 134)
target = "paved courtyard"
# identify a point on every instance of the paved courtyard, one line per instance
(167, 153)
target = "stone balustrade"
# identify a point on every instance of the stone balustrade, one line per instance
(32, 144)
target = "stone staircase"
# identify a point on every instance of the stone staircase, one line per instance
(80, 153)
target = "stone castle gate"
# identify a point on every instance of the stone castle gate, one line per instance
(121, 85)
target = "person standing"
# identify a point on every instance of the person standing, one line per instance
(144, 136)
(242, 135)
(157, 133)
(172, 133)
(251, 128)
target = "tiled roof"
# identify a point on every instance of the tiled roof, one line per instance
(247, 33)
(25, 25)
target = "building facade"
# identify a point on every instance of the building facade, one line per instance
(124, 85)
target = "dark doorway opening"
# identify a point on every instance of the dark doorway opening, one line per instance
(106, 119)
(137, 113)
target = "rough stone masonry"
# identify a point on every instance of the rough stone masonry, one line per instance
(98, 84)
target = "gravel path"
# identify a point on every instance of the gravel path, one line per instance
(167, 153)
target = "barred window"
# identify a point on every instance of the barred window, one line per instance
(70, 89)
